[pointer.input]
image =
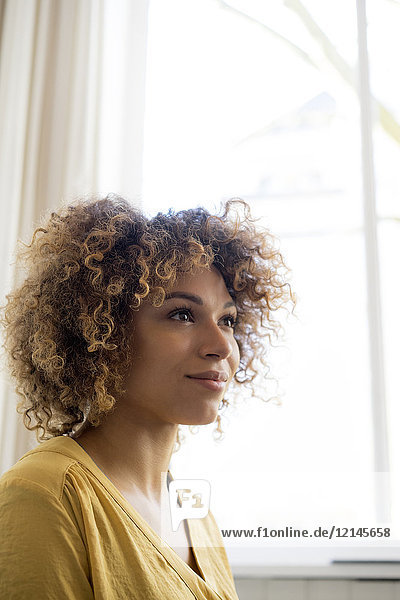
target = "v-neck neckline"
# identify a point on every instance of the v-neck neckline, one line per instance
(170, 555)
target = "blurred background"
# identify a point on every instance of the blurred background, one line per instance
(294, 106)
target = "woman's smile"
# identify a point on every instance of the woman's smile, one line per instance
(210, 384)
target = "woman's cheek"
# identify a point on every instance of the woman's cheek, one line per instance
(236, 354)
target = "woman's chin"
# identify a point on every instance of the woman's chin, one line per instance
(204, 419)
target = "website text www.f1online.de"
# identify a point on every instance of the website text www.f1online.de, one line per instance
(319, 532)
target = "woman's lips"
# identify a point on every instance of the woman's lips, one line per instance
(210, 384)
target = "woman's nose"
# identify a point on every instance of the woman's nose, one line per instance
(215, 341)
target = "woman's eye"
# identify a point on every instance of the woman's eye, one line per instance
(184, 315)
(231, 321)
(179, 313)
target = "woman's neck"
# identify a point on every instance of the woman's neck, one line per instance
(133, 455)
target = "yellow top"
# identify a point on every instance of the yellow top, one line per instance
(68, 533)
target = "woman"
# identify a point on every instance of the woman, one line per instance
(124, 328)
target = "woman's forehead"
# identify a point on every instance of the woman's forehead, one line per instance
(200, 280)
(201, 286)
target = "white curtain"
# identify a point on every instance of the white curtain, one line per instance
(72, 88)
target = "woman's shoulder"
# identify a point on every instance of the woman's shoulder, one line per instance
(43, 551)
(44, 467)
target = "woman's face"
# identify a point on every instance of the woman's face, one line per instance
(190, 335)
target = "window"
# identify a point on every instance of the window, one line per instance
(260, 100)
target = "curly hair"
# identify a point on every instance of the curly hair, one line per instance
(91, 266)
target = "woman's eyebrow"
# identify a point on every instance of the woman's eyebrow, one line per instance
(193, 298)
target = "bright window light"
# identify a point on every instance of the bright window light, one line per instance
(260, 101)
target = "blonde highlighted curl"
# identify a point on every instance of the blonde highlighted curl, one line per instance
(87, 271)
